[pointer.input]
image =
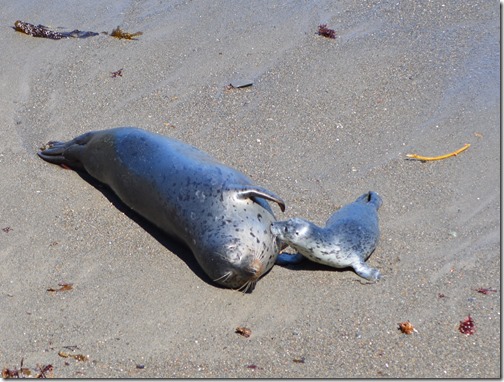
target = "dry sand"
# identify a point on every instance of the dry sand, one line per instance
(324, 121)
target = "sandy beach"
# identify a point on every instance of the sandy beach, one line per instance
(324, 121)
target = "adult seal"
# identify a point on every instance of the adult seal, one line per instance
(347, 240)
(214, 209)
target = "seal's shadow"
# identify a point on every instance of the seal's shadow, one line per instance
(307, 265)
(173, 245)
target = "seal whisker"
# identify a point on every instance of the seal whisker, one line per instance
(249, 285)
(224, 277)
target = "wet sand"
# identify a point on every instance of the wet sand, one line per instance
(325, 121)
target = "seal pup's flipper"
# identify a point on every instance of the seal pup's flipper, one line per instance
(66, 154)
(252, 192)
(365, 271)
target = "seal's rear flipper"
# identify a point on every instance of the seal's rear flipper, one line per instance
(252, 192)
(365, 271)
(66, 154)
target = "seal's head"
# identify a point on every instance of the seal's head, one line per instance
(239, 264)
(293, 230)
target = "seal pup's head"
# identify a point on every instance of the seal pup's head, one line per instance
(292, 231)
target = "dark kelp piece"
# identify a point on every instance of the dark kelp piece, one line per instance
(36, 30)
(43, 31)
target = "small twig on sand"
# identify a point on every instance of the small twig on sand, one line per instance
(453, 154)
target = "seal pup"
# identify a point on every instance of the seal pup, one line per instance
(214, 209)
(347, 240)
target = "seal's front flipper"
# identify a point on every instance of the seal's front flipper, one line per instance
(253, 192)
(66, 153)
(289, 258)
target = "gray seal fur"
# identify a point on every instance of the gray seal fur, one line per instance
(212, 208)
(349, 237)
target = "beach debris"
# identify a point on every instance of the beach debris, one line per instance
(485, 290)
(44, 32)
(407, 327)
(441, 295)
(120, 34)
(64, 287)
(239, 84)
(140, 366)
(299, 360)
(467, 326)
(45, 371)
(478, 134)
(254, 367)
(245, 332)
(77, 357)
(452, 154)
(117, 73)
(7, 229)
(323, 30)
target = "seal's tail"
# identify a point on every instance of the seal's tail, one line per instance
(66, 154)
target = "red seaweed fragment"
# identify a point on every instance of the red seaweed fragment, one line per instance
(323, 30)
(44, 32)
(7, 229)
(254, 367)
(485, 290)
(117, 73)
(467, 326)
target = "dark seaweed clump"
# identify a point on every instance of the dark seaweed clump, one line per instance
(36, 30)
(45, 32)
(323, 30)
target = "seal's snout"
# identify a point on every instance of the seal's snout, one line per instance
(274, 229)
(256, 269)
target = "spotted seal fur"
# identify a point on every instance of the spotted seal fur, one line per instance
(214, 209)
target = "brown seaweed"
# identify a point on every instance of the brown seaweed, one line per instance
(245, 332)
(44, 371)
(119, 33)
(64, 287)
(44, 32)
